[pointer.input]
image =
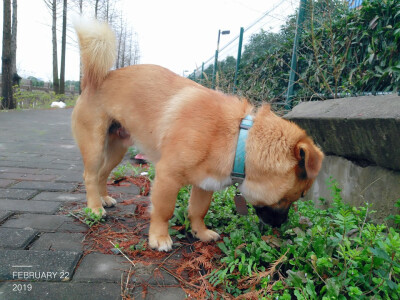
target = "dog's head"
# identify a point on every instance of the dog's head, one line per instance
(281, 165)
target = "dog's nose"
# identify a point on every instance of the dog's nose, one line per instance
(272, 216)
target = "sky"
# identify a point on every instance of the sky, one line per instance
(176, 34)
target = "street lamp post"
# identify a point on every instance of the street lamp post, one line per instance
(216, 55)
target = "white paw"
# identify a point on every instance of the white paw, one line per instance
(108, 201)
(207, 235)
(160, 243)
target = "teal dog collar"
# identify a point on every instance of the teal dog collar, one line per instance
(240, 156)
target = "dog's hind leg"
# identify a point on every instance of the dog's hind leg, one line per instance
(115, 150)
(199, 203)
(90, 134)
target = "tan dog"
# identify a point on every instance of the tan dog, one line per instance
(189, 132)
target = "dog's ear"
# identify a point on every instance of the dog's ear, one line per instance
(309, 159)
(264, 110)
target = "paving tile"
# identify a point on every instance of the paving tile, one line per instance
(22, 176)
(151, 276)
(73, 225)
(38, 165)
(59, 172)
(6, 182)
(60, 290)
(59, 196)
(14, 193)
(124, 191)
(46, 223)
(12, 238)
(98, 267)
(68, 161)
(5, 154)
(29, 206)
(20, 170)
(5, 215)
(27, 157)
(8, 163)
(157, 293)
(34, 265)
(70, 177)
(59, 241)
(45, 185)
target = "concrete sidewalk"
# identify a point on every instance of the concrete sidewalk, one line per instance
(41, 251)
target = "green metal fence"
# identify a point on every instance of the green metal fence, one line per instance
(326, 49)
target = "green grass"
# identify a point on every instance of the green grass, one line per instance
(334, 253)
(123, 170)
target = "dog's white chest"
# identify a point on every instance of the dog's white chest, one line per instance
(212, 184)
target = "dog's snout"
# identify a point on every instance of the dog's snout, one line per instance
(272, 216)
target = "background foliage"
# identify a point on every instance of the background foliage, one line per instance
(342, 52)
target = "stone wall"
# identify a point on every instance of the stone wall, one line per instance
(361, 137)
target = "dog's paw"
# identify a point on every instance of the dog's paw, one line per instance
(99, 210)
(108, 201)
(207, 235)
(160, 243)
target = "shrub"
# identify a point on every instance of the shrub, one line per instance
(40, 99)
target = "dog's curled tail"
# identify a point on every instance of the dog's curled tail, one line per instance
(98, 50)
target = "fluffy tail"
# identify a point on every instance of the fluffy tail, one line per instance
(98, 50)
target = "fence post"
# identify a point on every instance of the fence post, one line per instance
(202, 73)
(293, 65)
(239, 56)
(215, 69)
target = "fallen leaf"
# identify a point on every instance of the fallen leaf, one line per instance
(271, 240)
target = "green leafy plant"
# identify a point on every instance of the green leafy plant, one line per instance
(123, 170)
(151, 172)
(180, 216)
(127, 169)
(396, 218)
(141, 246)
(333, 253)
(90, 217)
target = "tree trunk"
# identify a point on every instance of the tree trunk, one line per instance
(107, 10)
(7, 92)
(63, 48)
(56, 84)
(96, 7)
(117, 66)
(130, 50)
(122, 63)
(80, 60)
(14, 39)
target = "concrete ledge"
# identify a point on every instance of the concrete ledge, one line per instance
(374, 185)
(364, 129)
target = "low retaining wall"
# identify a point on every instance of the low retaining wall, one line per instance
(361, 137)
(372, 184)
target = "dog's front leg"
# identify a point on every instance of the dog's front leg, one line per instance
(163, 197)
(199, 203)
